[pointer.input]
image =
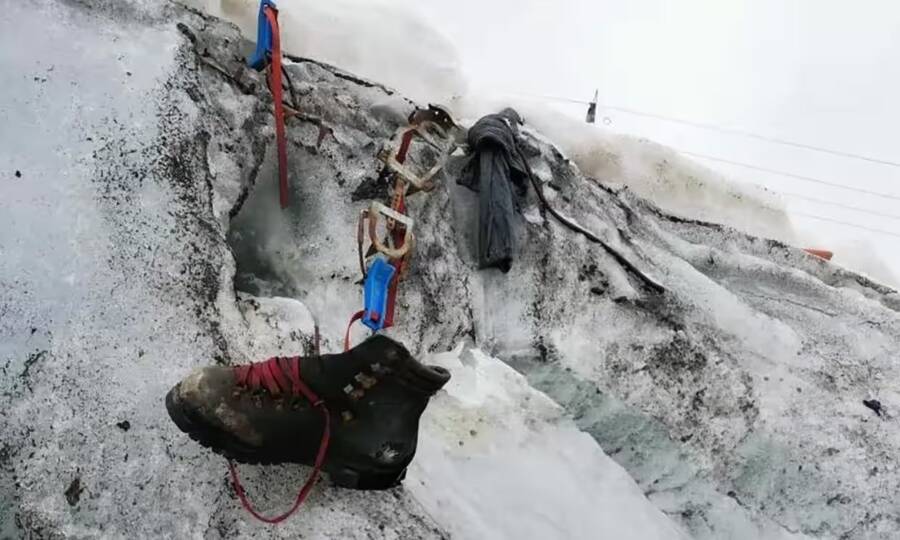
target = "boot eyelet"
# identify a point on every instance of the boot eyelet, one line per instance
(365, 381)
(256, 399)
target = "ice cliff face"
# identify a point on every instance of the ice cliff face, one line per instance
(141, 237)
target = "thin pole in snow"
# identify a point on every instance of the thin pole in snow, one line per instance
(591, 116)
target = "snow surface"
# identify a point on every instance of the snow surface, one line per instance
(115, 281)
(498, 459)
(377, 39)
(729, 407)
(372, 38)
(99, 316)
(430, 71)
(686, 367)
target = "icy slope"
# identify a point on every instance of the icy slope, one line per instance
(378, 39)
(733, 400)
(497, 461)
(686, 188)
(496, 458)
(372, 37)
(116, 280)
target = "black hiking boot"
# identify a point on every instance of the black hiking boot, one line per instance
(264, 413)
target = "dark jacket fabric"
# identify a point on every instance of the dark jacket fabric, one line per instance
(495, 170)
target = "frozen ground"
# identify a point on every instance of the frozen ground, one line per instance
(371, 37)
(378, 39)
(728, 407)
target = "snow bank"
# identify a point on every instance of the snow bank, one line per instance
(734, 400)
(690, 366)
(389, 43)
(687, 188)
(860, 255)
(497, 459)
(116, 281)
(123, 285)
(373, 38)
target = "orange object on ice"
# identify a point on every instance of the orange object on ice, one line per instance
(821, 253)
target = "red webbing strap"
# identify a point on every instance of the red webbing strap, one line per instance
(307, 486)
(392, 294)
(397, 233)
(298, 388)
(398, 265)
(277, 96)
(404, 145)
(356, 317)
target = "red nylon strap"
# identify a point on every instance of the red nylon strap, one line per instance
(308, 393)
(356, 317)
(404, 145)
(291, 370)
(277, 96)
(392, 294)
(295, 371)
(276, 365)
(269, 378)
(307, 486)
(277, 371)
(398, 266)
(397, 234)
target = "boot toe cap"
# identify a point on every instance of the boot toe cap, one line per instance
(202, 405)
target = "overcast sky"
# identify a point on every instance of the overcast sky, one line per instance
(824, 73)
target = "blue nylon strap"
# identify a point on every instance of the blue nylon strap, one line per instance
(260, 57)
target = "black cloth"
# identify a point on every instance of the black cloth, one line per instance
(496, 171)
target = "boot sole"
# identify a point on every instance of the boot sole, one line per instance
(229, 448)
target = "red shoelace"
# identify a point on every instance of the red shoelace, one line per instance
(280, 376)
(277, 375)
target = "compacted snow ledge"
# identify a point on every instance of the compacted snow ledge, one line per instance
(497, 459)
